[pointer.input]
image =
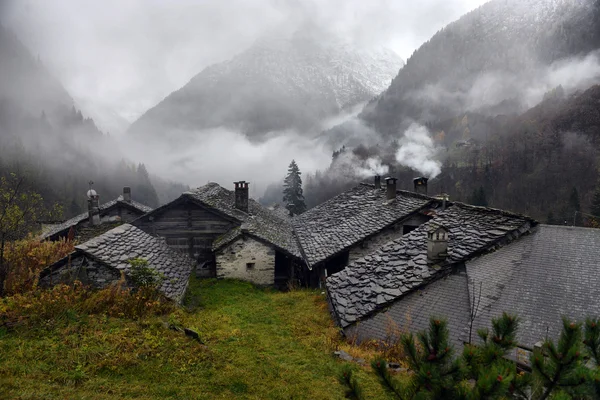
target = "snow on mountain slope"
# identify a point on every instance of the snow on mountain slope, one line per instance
(277, 84)
(504, 50)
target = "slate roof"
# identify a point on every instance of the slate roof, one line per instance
(446, 298)
(115, 247)
(351, 217)
(65, 226)
(552, 273)
(265, 224)
(401, 266)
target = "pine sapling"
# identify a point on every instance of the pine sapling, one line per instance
(559, 367)
(346, 377)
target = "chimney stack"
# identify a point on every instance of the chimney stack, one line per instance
(127, 194)
(241, 195)
(391, 188)
(421, 185)
(93, 207)
(377, 182)
(437, 243)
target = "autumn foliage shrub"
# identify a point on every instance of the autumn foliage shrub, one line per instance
(47, 308)
(26, 258)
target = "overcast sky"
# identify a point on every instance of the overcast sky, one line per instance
(124, 56)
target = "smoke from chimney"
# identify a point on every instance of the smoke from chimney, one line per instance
(418, 151)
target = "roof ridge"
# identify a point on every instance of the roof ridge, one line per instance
(583, 228)
(495, 211)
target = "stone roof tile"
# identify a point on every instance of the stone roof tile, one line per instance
(65, 226)
(349, 218)
(551, 273)
(402, 264)
(269, 225)
(119, 245)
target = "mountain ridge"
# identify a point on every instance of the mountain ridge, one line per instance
(276, 84)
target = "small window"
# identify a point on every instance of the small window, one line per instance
(250, 265)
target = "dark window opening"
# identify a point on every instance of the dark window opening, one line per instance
(250, 265)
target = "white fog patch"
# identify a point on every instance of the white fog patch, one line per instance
(418, 151)
(349, 166)
(224, 156)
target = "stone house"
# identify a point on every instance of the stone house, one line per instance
(101, 261)
(469, 264)
(357, 222)
(228, 235)
(121, 209)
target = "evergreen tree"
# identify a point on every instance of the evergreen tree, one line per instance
(574, 207)
(292, 190)
(595, 210)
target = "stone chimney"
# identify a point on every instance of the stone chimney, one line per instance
(391, 188)
(377, 182)
(93, 207)
(127, 194)
(420, 185)
(437, 243)
(241, 195)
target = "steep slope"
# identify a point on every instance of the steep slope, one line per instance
(276, 84)
(44, 138)
(504, 51)
(25, 82)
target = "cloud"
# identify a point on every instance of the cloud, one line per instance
(130, 54)
(225, 156)
(417, 151)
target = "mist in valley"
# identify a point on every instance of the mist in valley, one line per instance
(195, 92)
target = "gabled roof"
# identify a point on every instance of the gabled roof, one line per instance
(351, 217)
(65, 226)
(115, 247)
(551, 273)
(268, 225)
(400, 266)
(446, 298)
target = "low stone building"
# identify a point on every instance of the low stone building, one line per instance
(228, 234)
(357, 222)
(470, 264)
(101, 261)
(121, 209)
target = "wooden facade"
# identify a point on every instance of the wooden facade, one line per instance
(189, 227)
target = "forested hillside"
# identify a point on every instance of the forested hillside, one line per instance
(543, 162)
(44, 138)
(505, 53)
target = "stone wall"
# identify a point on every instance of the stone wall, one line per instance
(247, 259)
(83, 269)
(386, 235)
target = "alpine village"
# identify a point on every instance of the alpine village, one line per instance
(442, 241)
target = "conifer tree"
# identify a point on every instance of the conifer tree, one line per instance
(595, 209)
(293, 197)
(574, 207)
(558, 367)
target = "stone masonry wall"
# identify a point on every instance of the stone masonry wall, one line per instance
(372, 244)
(387, 235)
(235, 261)
(86, 271)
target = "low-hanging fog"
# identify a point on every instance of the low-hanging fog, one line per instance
(118, 59)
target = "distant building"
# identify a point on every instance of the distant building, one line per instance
(85, 225)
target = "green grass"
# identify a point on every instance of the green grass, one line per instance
(259, 344)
